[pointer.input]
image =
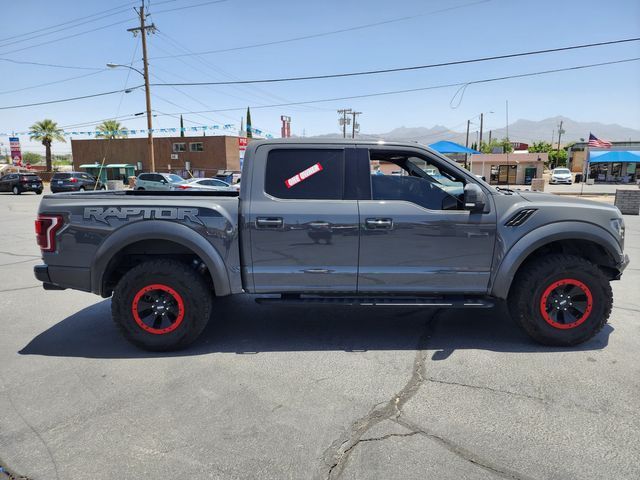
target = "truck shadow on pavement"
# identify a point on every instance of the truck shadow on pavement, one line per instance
(239, 325)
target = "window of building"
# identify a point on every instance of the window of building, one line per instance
(420, 181)
(196, 147)
(305, 174)
(179, 147)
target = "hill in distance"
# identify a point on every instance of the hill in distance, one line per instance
(527, 131)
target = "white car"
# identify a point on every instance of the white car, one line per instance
(561, 175)
(209, 184)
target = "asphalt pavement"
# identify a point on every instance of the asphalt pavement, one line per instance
(275, 392)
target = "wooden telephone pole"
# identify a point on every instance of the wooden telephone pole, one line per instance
(143, 30)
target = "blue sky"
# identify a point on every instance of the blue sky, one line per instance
(476, 28)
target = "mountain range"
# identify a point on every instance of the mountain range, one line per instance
(527, 131)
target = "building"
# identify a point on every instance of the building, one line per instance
(508, 169)
(612, 171)
(198, 156)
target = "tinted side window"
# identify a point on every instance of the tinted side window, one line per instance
(305, 174)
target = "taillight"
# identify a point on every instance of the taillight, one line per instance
(73, 180)
(46, 228)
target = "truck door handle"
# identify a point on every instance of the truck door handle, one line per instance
(379, 223)
(269, 222)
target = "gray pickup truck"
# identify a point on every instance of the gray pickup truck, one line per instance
(317, 222)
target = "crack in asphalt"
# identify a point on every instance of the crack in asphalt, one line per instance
(337, 454)
(19, 261)
(20, 288)
(339, 451)
(10, 474)
(488, 389)
(462, 452)
(11, 254)
(32, 428)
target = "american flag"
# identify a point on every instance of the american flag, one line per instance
(596, 142)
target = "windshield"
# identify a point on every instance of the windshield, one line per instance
(174, 178)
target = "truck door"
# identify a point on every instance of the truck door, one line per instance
(416, 236)
(303, 227)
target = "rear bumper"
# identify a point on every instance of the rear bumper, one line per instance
(27, 187)
(62, 188)
(59, 278)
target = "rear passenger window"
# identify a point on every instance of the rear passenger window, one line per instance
(305, 174)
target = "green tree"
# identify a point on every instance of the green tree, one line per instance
(46, 132)
(495, 143)
(558, 158)
(111, 129)
(249, 132)
(540, 147)
(31, 158)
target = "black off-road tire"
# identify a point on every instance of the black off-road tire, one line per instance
(176, 282)
(531, 305)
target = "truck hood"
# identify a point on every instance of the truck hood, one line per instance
(541, 197)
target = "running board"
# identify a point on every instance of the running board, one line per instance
(436, 302)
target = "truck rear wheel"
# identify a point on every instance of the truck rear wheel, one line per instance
(561, 300)
(161, 305)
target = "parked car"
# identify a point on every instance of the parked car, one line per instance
(75, 182)
(209, 184)
(561, 175)
(159, 181)
(312, 226)
(21, 182)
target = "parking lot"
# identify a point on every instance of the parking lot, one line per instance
(308, 392)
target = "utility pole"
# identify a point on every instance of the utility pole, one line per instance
(354, 125)
(560, 132)
(466, 144)
(344, 120)
(143, 29)
(480, 142)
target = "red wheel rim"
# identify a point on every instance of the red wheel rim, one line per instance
(158, 309)
(566, 303)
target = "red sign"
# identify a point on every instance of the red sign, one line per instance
(16, 154)
(303, 175)
(242, 143)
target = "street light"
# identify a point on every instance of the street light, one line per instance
(148, 99)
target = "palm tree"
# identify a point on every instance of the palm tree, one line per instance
(111, 129)
(46, 131)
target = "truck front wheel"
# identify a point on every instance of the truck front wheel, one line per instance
(561, 300)
(161, 305)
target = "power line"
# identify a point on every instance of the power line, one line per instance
(67, 37)
(25, 34)
(404, 69)
(377, 94)
(71, 99)
(52, 83)
(419, 89)
(23, 62)
(331, 32)
(190, 6)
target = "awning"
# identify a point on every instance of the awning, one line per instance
(120, 165)
(614, 156)
(451, 147)
(90, 165)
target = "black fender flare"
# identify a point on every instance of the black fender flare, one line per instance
(159, 230)
(547, 234)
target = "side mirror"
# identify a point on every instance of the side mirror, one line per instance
(474, 198)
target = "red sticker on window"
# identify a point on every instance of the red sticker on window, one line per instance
(303, 175)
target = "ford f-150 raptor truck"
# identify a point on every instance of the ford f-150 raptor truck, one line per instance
(318, 222)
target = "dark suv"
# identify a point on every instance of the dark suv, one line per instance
(74, 182)
(21, 182)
